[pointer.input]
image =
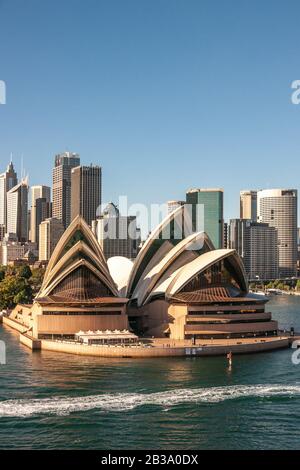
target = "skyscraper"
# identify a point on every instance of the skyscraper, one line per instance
(278, 208)
(17, 211)
(50, 232)
(173, 205)
(248, 205)
(257, 244)
(86, 192)
(261, 257)
(40, 209)
(8, 180)
(212, 202)
(118, 235)
(64, 163)
(225, 235)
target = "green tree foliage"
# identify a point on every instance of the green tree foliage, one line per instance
(25, 271)
(19, 285)
(14, 290)
(2, 273)
(37, 279)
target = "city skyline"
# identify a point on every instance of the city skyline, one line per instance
(208, 101)
(106, 200)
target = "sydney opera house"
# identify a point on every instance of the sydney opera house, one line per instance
(179, 287)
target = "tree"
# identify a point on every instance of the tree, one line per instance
(13, 290)
(2, 273)
(25, 272)
(37, 279)
(24, 296)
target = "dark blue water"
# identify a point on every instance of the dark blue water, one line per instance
(57, 401)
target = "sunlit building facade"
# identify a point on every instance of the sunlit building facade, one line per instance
(61, 208)
(278, 209)
(248, 205)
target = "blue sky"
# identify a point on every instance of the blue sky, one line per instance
(163, 94)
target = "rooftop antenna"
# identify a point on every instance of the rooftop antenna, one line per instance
(21, 166)
(11, 157)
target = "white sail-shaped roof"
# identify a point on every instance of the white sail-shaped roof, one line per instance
(120, 269)
(168, 233)
(202, 263)
(76, 263)
(185, 251)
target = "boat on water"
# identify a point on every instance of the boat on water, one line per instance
(259, 292)
(275, 291)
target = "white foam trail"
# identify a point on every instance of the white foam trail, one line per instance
(129, 401)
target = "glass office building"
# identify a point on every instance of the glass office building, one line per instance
(211, 201)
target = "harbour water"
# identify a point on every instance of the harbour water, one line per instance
(58, 401)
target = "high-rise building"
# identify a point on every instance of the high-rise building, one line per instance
(237, 236)
(278, 208)
(17, 211)
(118, 235)
(257, 244)
(64, 163)
(298, 254)
(173, 205)
(50, 232)
(248, 205)
(40, 209)
(8, 180)
(261, 257)
(86, 192)
(225, 235)
(212, 202)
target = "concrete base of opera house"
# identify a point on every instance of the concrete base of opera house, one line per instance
(159, 347)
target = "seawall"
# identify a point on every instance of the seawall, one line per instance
(211, 350)
(15, 324)
(179, 350)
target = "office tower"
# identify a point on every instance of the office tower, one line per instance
(17, 211)
(2, 232)
(278, 208)
(173, 205)
(237, 237)
(211, 200)
(257, 244)
(8, 180)
(118, 235)
(50, 232)
(298, 253)
(225, 235)
(261, 257)
(40, 209)
(61, 208)
(248, 205)
(86, 192)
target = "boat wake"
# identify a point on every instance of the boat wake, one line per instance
(118, 402)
